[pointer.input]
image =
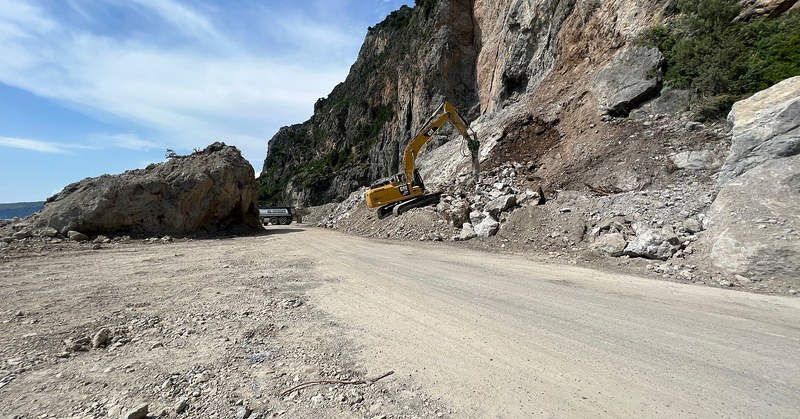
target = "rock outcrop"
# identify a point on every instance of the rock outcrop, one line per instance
(633, 77)
(210, 190)
(754, 224)
(764, 127)
(752, 9)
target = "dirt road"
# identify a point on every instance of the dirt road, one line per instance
(499, 336)
(221, 327)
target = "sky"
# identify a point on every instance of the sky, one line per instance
(89, 87)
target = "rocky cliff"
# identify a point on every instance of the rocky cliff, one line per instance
(544, 82)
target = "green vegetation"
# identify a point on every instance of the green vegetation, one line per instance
(425, 6)
(397, 20)
(724, 60)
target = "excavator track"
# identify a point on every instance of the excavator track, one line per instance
(422, 201)
(400, 207)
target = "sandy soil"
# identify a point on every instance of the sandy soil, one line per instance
(226, 325)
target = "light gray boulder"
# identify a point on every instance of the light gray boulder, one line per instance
(47, 232)
(77, 236)
(496, 206)
(487, 228)
(467, 232)
(765, 126)
(633, 77)
(696, 160)
(22, 234)
(612, 244)
(754, 224)
(475, 217)
(650, 243)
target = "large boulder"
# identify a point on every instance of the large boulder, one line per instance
(487, 228)
(611, 244)
(764, 127)
(498, 205)
(650, 243)
(633, 77)
(210, 190)
(754, 224)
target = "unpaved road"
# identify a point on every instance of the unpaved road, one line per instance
(499, 336)
(227, 324)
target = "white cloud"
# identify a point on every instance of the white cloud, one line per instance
(37, 145)
(184, 18)
(187, 95)
(126, 141)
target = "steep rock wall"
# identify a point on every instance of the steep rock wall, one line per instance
(483, 56)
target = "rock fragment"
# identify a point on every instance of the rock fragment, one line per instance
(77, 236)
(100, 337)
(611, 244)
(138, 412)
(487, 228)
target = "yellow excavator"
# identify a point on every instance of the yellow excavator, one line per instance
(406, 190)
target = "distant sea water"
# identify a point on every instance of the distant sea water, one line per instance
(19, 209)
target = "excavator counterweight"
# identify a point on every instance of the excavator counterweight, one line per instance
(406, 189)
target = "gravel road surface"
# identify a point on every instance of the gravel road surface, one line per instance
(222, 327)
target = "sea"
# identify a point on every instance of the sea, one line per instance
(19, 209)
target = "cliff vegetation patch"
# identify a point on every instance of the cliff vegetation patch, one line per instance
(724, 59)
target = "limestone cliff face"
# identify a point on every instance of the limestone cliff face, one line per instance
(484, 56)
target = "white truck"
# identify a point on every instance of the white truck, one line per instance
(276, 215)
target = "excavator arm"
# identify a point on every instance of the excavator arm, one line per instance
(397, 193)
(445, 113)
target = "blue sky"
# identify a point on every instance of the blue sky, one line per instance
(89, 87)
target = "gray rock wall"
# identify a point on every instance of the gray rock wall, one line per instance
(754, 224)
(764, 127)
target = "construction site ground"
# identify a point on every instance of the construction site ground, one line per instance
(223, 327)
